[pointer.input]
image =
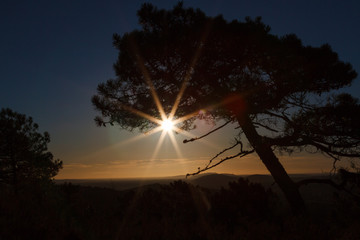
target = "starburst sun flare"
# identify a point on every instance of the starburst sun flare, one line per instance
(167, 121)
(167, 125)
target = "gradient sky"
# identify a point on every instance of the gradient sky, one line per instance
(53, 54)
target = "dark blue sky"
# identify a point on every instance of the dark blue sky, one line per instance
(54, 53)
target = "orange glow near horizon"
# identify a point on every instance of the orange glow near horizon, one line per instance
(153, 169)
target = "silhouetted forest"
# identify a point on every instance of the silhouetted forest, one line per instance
(179, 210)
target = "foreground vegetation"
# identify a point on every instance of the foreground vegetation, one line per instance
(179, 210)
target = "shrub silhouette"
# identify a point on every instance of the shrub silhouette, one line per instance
(179, 210)
(242, 200)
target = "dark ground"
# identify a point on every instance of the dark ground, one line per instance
(205, 207)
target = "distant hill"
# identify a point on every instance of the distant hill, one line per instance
(213, 181)
(265, 180)
(118, 184)
(206, 180)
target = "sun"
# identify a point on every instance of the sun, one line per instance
(167, 125)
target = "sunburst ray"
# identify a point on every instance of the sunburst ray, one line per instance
(190, 71)
(148, 81)
(158, 145)
(175, 145)
(157, 101)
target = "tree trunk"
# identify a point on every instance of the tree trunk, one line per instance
(272, 163)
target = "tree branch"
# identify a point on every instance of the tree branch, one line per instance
(266, 127)
(330, 152)
(240, 154)
(284, 117)
(292, 141)
(226, 149)
(197, 138)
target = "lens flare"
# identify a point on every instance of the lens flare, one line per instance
(167, 125)
(167, 121)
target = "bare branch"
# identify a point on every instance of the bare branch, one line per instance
(336, 159)
(330, 152)
(197, 138)
(299, 102)
(226, 149)
(240, 154)
(283, 116)
(266, 127)
(324, 147)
